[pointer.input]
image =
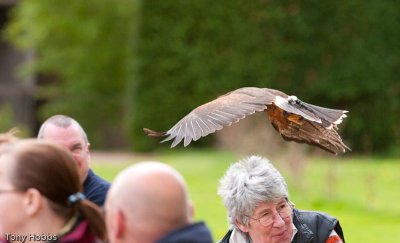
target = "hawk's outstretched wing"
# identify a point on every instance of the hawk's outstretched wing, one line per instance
(214, 115)
(294, 119)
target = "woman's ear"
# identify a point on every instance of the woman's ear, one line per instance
(32, 201)
(241, 226)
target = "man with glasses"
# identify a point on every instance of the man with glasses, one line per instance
(259, 211)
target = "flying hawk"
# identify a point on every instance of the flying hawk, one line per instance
(294, 119)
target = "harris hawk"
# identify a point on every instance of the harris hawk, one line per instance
(294, 119)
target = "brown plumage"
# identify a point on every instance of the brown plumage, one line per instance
(294, 119)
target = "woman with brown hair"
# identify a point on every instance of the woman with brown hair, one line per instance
(40, 196)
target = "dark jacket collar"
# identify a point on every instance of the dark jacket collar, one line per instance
(88, 178)
(193, 233)
(304, 234)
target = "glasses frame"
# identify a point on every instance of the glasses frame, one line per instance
(290, 204)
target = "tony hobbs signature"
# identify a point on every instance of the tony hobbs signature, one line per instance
(29, 237)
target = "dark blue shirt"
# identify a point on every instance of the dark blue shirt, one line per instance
(192, 233)
(95, 188)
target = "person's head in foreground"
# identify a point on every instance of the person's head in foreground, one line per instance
(259, 210)
(147, 203)
(68, 132)
(40, 195)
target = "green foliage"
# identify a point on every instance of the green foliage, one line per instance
(361, 192)
(89, 47)
(341, 54)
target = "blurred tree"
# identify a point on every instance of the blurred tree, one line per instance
(89, 47)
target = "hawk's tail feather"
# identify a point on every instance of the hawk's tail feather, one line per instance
(315, 134)
(327, 139)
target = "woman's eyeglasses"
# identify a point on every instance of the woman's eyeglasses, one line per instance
(283, 209)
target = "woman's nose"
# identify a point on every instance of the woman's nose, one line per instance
(278, 220)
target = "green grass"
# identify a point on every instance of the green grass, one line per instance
(362, 192)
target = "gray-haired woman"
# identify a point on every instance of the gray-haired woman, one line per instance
(259, 210)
